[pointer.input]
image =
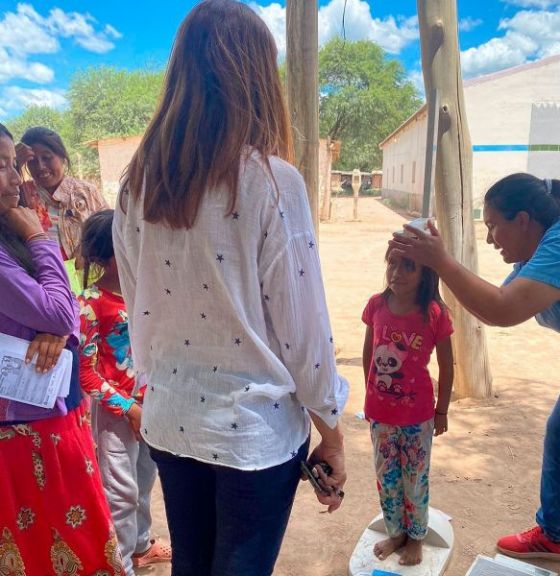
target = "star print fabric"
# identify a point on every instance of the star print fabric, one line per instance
(229, 323)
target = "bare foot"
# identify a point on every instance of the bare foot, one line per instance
(386, 547)
(412, 553)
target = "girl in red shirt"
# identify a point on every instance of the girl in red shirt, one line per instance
(107, 375)
(404, 324)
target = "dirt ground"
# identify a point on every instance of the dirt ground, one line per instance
(485, 470)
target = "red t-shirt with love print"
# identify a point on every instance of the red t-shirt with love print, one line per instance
(399, 388)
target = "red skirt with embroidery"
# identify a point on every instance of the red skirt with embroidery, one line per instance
(54, 518)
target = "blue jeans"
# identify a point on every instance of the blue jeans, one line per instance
(223, 521)
(548, 515)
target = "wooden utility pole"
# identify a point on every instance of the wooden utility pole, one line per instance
(453, 183)
(356, 185)
(325, 212)
(302, 78)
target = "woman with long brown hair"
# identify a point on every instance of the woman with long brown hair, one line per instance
(220, 272)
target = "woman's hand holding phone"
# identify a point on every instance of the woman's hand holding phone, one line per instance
(328, 487)
(330, 450)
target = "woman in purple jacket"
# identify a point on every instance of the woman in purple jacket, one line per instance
(53, 515)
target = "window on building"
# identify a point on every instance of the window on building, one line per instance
(402, 173)
(413, 171)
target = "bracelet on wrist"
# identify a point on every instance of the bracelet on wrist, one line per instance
(440, 413)
(36, 236)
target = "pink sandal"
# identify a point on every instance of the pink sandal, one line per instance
(157, 553)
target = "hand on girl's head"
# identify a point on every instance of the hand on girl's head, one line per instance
(424, 248)
(414, 231)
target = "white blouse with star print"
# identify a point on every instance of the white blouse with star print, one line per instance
(229, 323)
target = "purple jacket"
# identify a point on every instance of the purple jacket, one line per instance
(42, 304)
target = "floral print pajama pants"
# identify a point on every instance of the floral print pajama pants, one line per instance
(402, 464)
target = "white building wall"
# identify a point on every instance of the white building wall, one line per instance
(403, 164)
(502, 112)
(508, 113)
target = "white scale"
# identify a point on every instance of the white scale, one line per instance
(436, 552)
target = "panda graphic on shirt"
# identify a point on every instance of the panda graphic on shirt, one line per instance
(387, 361)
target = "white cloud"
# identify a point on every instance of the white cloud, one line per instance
(274, 16)
(417, 79)
(542, 4)
(24, 32)
(17, 98)
(111, 31)
(80, 27)
(468, 24)
(16, 66)
(392, 34)
(528, 35)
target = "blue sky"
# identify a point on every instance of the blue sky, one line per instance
(44, 42)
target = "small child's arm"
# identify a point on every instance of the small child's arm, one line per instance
(367, 353)
(444, 353)
(91, 380)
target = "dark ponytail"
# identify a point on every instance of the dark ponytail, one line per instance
(97, 242)
(11, 242)
(526, 193)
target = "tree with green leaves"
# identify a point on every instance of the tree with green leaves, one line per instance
(364, 96)
(108, 102)
(41, 116)
(103, 102)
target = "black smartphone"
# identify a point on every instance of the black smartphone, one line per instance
(307, 470)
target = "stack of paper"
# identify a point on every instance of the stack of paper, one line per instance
(504, 566)
(21, 383)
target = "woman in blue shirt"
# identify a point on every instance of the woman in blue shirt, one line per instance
(522, 214)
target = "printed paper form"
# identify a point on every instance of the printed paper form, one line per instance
(21, 382)
(504, 566)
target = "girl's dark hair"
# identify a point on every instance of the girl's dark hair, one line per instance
(48, 138)
(5, 132)
(526, 193)
(222, 95)
(428, 289)
(13, 244)
(97, 241)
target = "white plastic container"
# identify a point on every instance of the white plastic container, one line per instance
(420, 224)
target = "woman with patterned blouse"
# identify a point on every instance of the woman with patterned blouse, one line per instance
(220, 272)
(63, 203)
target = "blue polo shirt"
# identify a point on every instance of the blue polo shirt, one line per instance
(544, 266)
